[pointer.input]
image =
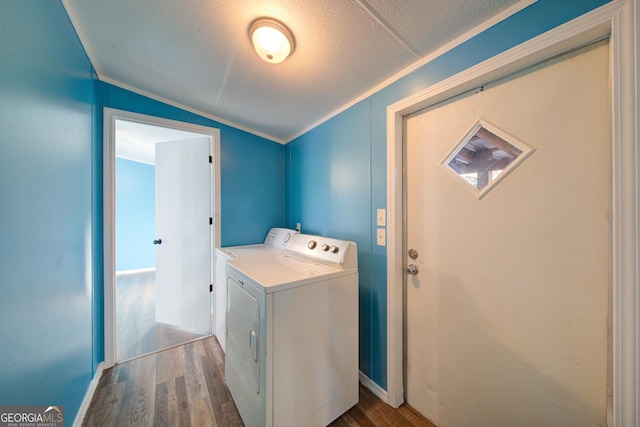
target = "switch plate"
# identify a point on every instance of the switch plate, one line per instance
(381, 217)
(381, 237)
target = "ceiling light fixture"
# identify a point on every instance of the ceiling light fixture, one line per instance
(272, 39)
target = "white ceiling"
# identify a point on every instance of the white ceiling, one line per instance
(136, 141)
(196, 53)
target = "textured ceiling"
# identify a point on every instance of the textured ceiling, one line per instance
(197, 53)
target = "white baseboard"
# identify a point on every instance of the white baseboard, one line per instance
(88, 396)
(375, 388)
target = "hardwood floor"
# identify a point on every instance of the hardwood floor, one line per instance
(184, 386)
(137, 332)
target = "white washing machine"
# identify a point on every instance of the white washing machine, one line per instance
(276, 240)
(292, 333)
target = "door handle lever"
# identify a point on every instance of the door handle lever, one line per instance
(157, 242)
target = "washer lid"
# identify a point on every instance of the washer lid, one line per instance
(248, 250)
(284, 271)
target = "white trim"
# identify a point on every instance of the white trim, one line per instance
(84, 406)
(625, 214)
(526, 151)
(201, 113)
(372, 386)
(77, 25)
(109, 120)
(416, 65)
(512, 10)
(619, 19)
(75, 21)
(137, 271)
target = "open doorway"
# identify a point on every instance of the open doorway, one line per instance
(161, 205)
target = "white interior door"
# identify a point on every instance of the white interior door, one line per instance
(183, 255)
(507, 317)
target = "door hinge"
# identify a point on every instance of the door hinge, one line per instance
(211, 287)
(210, 159)
(210, 221)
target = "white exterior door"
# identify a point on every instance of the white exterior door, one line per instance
(183, 255)
(507, 317)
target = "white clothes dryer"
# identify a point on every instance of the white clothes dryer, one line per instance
(292, 333)
(276, 240)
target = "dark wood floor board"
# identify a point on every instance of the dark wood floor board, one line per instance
(339, 423)
(215, 377)
(161, 416)
(231, 414)
(413, 417)
(137, 332)
(371, 411)
(201, 413)
(345, 421)
(138, 404)
(194, 375)
(359, 417)
(376, 410)
(182, 404)
(199, 347)
(213, 384)
(170, 365)
(106, 403)
(213, 348)
(172, 403)
(184, 386)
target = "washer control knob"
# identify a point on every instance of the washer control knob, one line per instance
(312, 244)
(334, 249)
(325, 247)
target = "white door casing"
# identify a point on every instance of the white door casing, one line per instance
(110, 116)
(507, 319)
(617, 20)
(183, 240)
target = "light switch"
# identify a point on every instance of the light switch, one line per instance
(381, 217)
(381, 237)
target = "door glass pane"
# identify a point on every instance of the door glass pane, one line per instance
(483, 156)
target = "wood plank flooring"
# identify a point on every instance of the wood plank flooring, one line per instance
(184, 386)
(137, 332)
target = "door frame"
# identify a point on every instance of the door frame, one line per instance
(110, 116)
(617, 21)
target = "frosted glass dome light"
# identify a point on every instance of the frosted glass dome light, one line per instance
(271, 39)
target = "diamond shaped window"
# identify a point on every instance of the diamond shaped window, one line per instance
(484, 156)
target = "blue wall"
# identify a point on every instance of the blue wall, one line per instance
(135, 215)
(329, 193)
(252, 169)
(334, 176)
(317, 161)
(51, 310)
(47, 100)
